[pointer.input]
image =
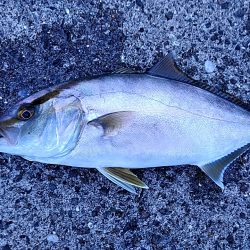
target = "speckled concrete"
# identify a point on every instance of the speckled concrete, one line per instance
(43, 43)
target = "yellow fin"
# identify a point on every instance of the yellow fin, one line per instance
(122, 177)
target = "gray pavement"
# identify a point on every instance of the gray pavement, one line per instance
(44, 43)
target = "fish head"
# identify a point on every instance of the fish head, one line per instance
(46, 124)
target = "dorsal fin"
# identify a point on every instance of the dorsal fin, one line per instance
(167, 68)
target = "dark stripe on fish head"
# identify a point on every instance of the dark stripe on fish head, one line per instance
(10, 117)
(13, 118)
(44, 98)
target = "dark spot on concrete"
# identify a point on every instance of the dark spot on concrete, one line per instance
(140, 4)
(208, 24)
(247, 26)
(104, 190)
(214, 37)
(169, 15)
(237, 47)
(225, 5)
(242, 215)
(131, 225)
(81, 230)
(227, 41)
(96, 211)
(6, 247)
(230, 239)
(240, 13)
(141, 29)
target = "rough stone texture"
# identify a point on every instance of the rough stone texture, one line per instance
(43, 43)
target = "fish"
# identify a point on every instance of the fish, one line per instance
(128, 120)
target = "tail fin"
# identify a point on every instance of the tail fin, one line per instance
(215, 170)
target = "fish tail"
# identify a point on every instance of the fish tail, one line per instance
(216, 169)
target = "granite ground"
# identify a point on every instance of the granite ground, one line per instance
(44, 43)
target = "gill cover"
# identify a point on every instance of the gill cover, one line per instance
(53, 130)
(57, 129)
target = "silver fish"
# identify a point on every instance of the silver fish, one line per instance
(128, 120)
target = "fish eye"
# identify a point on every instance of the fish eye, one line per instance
(25, 113)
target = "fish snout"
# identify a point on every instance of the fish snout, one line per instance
(10, 134)
(1, 132)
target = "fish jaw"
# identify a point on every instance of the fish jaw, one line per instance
(7, 147)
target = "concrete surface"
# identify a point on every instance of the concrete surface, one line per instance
(43, 43)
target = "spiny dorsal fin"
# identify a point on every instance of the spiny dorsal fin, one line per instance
(124, 71)
(167, 68)
(112, 122)
(123, 177)
(215, 170)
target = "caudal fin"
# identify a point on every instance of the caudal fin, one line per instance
(215, 170)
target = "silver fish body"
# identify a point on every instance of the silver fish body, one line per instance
(172, 124)
(133, 121)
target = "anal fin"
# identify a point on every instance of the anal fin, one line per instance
(123, 177)
(215, 170)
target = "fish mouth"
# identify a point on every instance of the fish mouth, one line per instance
(9, 134)
(3, 139)
(1, 133)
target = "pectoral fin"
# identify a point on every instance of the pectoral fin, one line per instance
(123, 177)
(215, 170)
(112, 122)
